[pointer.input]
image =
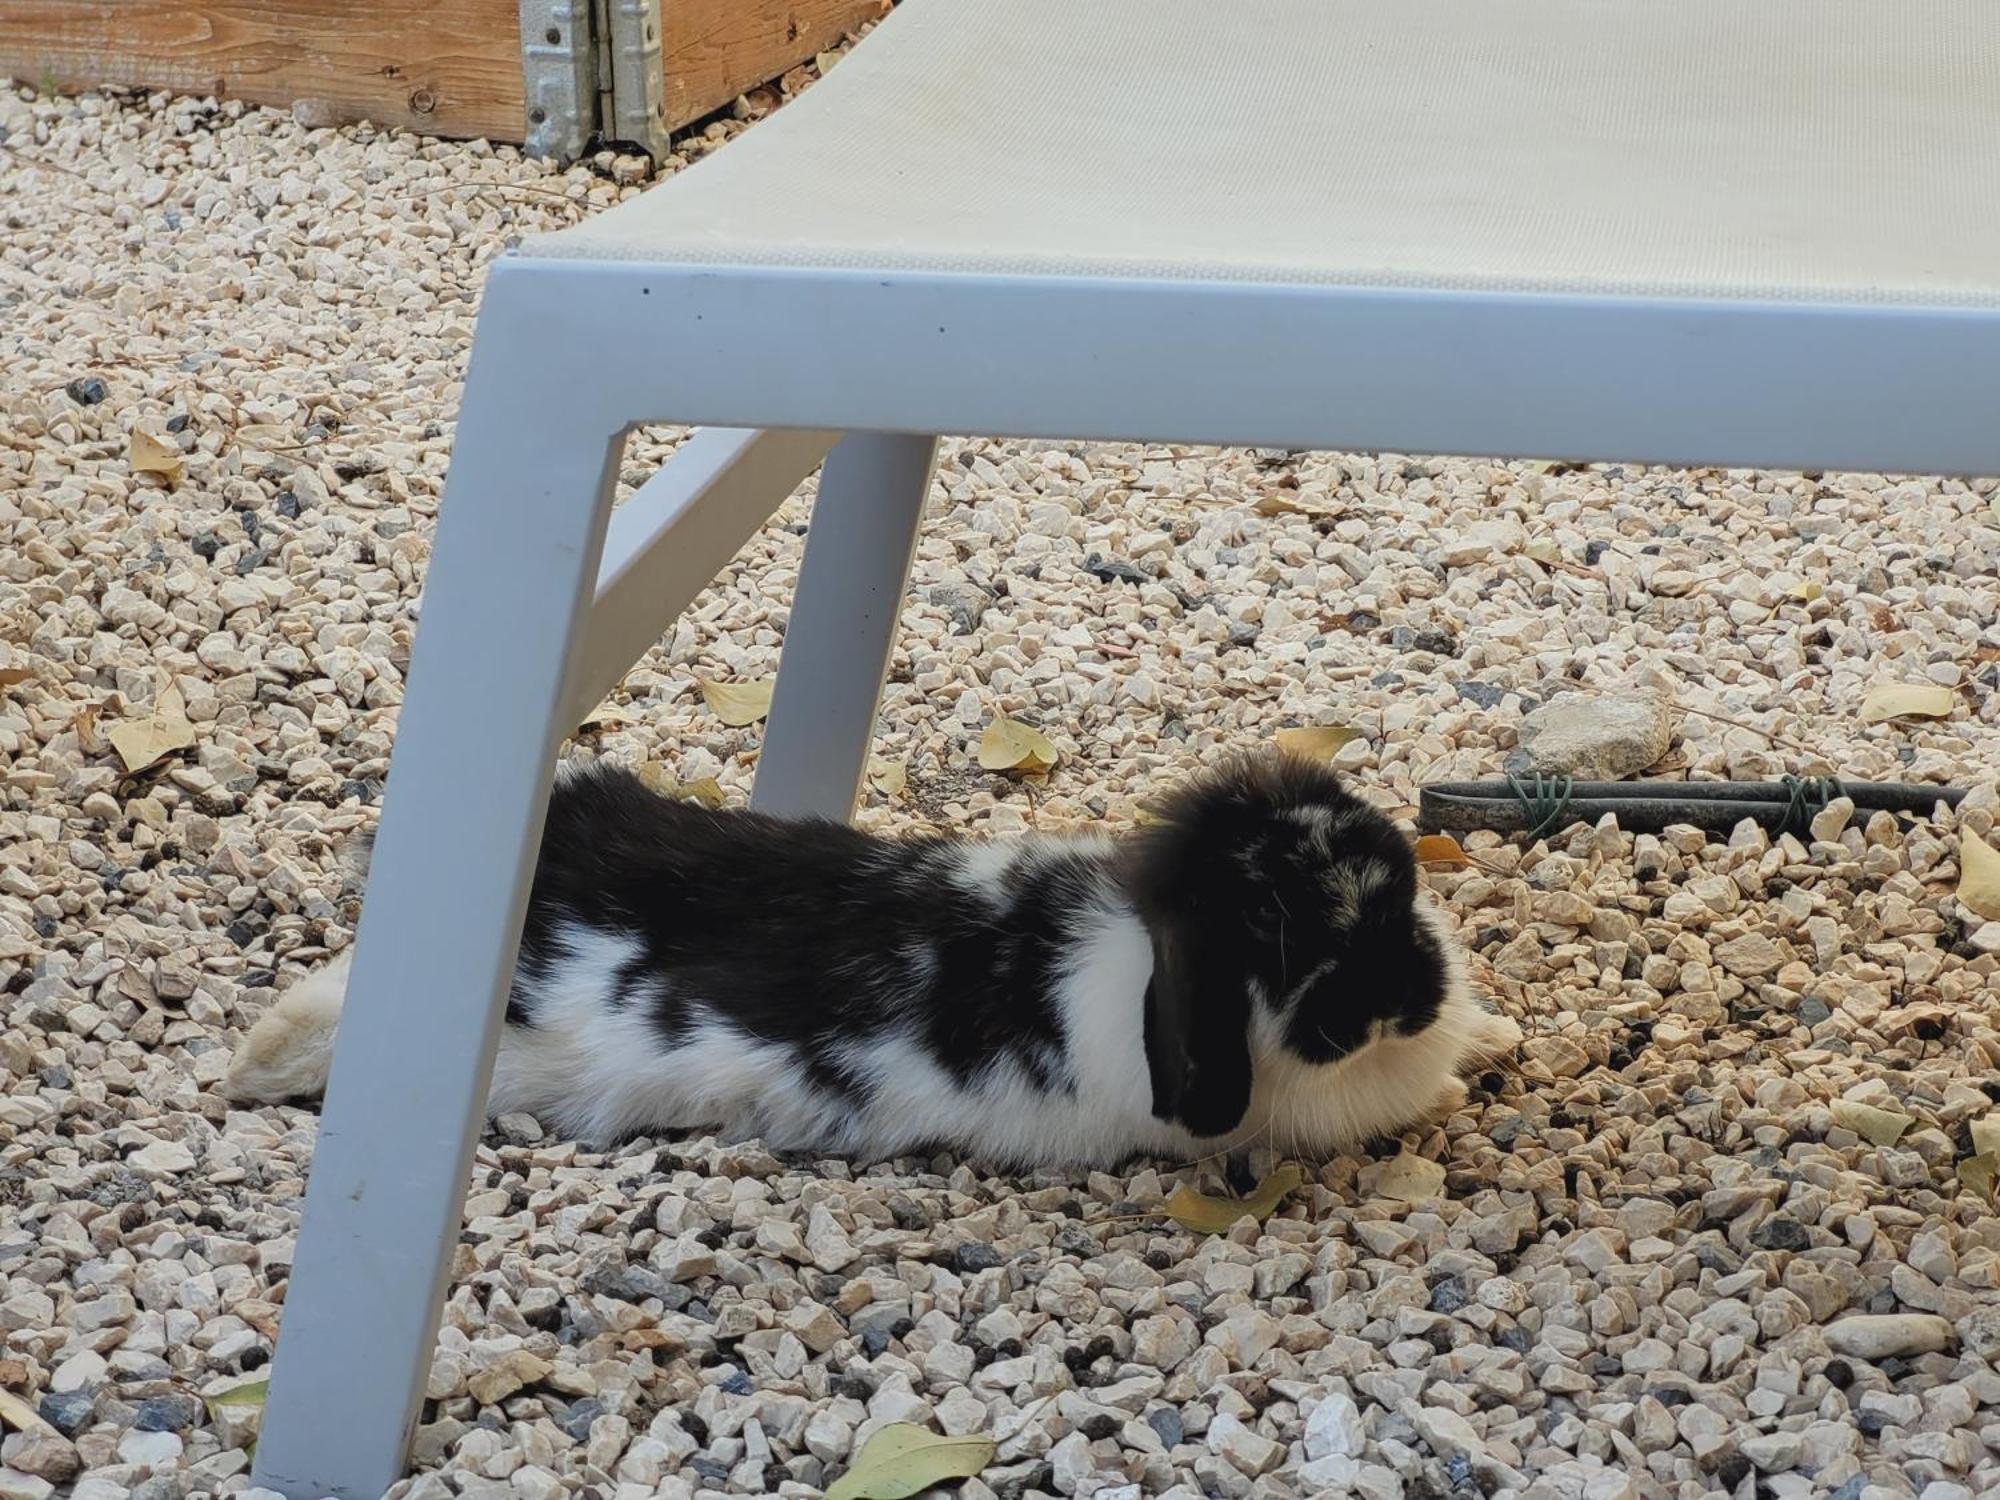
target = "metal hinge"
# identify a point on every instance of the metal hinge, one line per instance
(559, 68)
(638, 113)
(593, 68)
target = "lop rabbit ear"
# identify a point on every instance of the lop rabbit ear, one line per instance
(1197, 1035)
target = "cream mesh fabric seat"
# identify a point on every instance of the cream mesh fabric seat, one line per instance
(1704, 148)
(1707, 231)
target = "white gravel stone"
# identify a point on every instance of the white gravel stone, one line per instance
(1334, 1429)
(1889, 1336)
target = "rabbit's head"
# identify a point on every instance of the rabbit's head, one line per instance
(1286, 925)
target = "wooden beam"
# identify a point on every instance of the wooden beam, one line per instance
(716, 49)
(443, 67)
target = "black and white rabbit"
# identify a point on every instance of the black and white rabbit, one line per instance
(1259, 965)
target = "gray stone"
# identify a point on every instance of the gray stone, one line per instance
(1596, 739)
(69, 1412)
(168, 1414)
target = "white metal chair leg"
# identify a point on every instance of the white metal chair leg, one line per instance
(843, 623)
(505, 608)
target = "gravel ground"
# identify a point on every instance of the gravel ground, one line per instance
(1676, 1253)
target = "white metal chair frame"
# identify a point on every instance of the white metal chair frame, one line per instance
(539, 598)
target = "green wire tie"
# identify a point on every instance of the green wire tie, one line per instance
(1808, 796)
(1543, 803)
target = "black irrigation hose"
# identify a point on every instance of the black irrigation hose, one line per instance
(1541, 804)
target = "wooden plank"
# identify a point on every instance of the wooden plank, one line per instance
(443, 67)
(716, 49)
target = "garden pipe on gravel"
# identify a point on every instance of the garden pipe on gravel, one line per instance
(1539, 804)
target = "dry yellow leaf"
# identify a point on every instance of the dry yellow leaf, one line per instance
(1805, 593)
(608, 715)
(738, 703)
(905, 1459)
(1981, 1173)
(1978, 876)
(1907, 700)
(1441, 849)
(17, 1414)
(262, 437)
(140, 742)
(1315, 741)
(1010, 745)
(151, 455)
(1275, 504)
(1210, 1215)
(84, 722)
(706, 790)
(703, 789)
(1878, 1127)
(251, 1393)
(1411, 1179)
(15, 666)
(889, 777)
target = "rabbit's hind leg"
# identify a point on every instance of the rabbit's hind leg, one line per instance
(289, 1052)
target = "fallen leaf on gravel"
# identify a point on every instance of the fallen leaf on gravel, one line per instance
(1978, 876)
(1906, 700)
(84, 722)
(1442, 849)
(251, 1393)
(140, 742)
(655, 776)
(738, 703)
(889, 777)
(1981, 1173)
(1316, 741)
(1010, 745)
(703, 789)
(1219, 1215)
(1278, 505)
(1805, 593)
(150, 455)
(904, 1459)
(15, 665)
(17, 1414)
(608, 715)
(1878, 1127)
(1411, 1179)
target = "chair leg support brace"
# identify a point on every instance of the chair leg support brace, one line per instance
(667, 543)
(843, 623)
(507, 598)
